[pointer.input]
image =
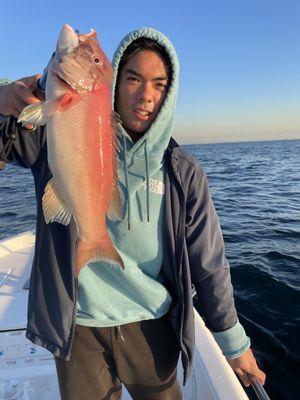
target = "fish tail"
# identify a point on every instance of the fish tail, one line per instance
(103, 251)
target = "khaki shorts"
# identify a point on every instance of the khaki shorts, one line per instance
(141, 355)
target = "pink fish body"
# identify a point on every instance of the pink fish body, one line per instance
(81, 143)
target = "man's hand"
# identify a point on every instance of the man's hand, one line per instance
(15, 96)
(246, 368)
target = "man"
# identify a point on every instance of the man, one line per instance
(113, 326)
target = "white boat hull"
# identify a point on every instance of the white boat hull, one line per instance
(29, 371)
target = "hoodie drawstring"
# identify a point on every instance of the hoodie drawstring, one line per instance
(127, 185)
(147, 181)
(120, 332)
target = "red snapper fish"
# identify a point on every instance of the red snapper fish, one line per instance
(81, 140)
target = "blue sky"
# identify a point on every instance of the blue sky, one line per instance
(240, 60)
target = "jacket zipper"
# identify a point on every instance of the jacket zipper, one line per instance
(72, 331)
(180, 240)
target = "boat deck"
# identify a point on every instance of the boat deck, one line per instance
(29, 368)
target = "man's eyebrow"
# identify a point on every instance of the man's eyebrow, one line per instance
(159, 78)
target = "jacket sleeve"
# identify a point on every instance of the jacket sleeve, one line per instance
(19, 145)
(210, 270)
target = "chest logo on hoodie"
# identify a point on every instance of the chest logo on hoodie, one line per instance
(155, 186)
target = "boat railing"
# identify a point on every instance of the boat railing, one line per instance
(259, 390)
(256, 385)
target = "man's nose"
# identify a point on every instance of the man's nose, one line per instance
(145, 93)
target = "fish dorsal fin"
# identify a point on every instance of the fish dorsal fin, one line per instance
(115, 119)
(117, 136)
(115, 208)
(114, 211)
(54, 208)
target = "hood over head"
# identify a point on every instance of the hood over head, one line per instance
(141, 160)
(159, 133)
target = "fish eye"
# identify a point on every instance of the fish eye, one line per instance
(96, 60)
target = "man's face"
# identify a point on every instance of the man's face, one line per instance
(142, 88)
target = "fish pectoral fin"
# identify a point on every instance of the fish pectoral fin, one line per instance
(54, 208)
(37, 114)
(67, 100)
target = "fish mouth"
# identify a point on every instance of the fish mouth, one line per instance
(65, 79)
(68, 40)
(62, 77)
(61, 80)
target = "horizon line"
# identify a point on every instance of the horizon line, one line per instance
(241, 141)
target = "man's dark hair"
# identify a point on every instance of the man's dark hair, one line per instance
(145, 44)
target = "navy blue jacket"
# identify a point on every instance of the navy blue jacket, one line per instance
(193, 251)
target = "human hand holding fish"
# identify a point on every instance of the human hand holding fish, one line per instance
(17, 95)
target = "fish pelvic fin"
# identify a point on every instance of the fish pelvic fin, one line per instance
(90, 252)
(54, 208)
(33, 114)
(37, 114)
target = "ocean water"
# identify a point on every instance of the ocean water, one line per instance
(256, 191)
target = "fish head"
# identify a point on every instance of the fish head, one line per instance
(79, 61)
